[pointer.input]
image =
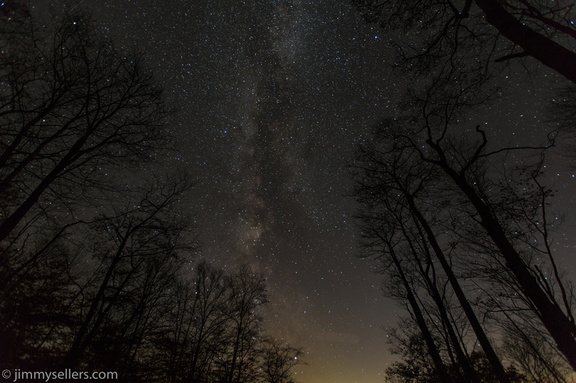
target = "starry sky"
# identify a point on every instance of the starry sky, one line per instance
(272, 98)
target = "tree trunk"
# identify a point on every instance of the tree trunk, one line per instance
(562, 330)
(421, 322)
(463, 360)
(542, 48)
(497, 367)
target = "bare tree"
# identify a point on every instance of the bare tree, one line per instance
(395, 186)
(35, 310)
(72, 108)
(215, 332)
(440, 32)
(278, 360)
(246, 293)
(196, 326)
(137, 250)
(514, 219)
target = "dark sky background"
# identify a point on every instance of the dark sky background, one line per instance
(273, 96)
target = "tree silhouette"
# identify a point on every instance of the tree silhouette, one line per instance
(440, 32)
(395, 186)
(137, 253)
(97, 268)
(415, 366)
(246, 292)
(72, 107)
(278, 361)
(419, 182)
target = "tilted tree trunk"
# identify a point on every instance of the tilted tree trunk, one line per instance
(485, 343)
(463, 361)
(420, 321)
(534, 44)
(558, 324)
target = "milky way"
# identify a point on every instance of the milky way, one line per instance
(272, 97)
(267, 158)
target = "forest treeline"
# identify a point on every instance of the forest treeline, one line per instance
(460, 222)
(97, 254)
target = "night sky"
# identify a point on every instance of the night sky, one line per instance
(272, 98)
